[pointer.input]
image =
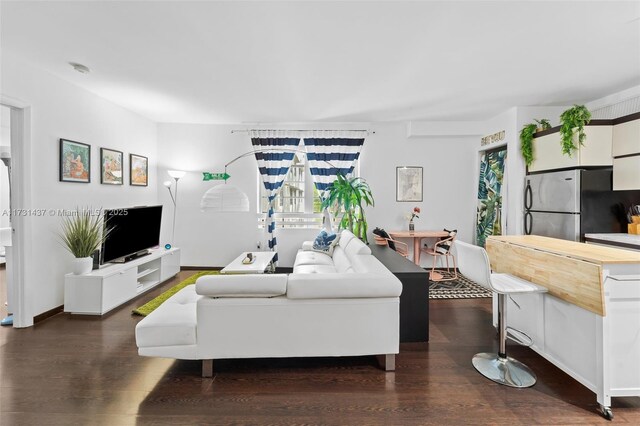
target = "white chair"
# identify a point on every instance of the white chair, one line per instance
(473, 263)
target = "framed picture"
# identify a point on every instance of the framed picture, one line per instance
(110, 166)
(75, 161)
(138, 170)
(408, 183)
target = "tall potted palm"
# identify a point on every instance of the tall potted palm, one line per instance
(348, 196)
(82, 233)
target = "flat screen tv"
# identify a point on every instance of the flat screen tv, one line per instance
(134, 231)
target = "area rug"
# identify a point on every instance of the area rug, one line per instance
(461, 288)
(149, 307)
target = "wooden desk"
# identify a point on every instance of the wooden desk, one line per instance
(417, 236)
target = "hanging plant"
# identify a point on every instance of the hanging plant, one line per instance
(526, 142)
(542, 124)
(572, 121)
(526, 138)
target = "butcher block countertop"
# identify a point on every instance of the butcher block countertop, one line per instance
(586, 252)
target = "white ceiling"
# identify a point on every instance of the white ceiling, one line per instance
(233, 62)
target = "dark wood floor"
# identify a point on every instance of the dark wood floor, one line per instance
(71, 370)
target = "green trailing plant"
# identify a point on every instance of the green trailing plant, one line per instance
(348, 196)
(83, 232)
(526, 138)
(543, 123)
(526, 142)
(571, 121)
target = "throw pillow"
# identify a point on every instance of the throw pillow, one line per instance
(325, 242)
(381, 232)
(446, 247)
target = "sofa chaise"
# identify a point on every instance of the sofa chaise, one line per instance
(341, 305)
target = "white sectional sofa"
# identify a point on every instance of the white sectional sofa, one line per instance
(345, 305)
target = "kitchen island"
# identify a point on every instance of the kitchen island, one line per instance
(627, 241)
(588, 324)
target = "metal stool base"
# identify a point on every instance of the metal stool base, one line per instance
(505, 371)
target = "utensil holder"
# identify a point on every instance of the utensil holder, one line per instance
(633, 228)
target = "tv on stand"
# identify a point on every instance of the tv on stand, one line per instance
(134, 231)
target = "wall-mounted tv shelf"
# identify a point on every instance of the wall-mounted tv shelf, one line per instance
(114, 284)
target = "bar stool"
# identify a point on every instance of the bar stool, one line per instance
(474, 264)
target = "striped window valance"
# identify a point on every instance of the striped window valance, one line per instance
(329, 156)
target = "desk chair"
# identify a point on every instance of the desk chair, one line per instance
(474, 264)
(381, 237)
(442, 249)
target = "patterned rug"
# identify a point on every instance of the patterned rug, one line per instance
(461, 288)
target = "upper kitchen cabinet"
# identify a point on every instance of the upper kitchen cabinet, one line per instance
(626, 138)
(596, 150)
(626, 153)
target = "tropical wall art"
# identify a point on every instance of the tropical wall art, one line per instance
(75, 161)
(139, 169)
(491, 183)
(110, 166)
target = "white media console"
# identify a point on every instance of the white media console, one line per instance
(114, 284)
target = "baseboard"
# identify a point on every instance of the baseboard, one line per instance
(48, 314)
(279, 270)
(200, 268)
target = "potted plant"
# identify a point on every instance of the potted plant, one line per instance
(348, 196)
(542, 124)
(82, 234)
(414, 214)
(572, 121)
(526, 138)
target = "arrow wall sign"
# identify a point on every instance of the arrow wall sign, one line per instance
(215, 176)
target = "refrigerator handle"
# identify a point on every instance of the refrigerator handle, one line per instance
(528, 223)
(528, 196)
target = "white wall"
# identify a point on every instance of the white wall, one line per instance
(213, 239)
(206, 239)
(5, 141)
(449, 170)
(62, 110)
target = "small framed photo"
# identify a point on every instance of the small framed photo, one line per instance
(110, 166)
(409, 183)
(75, 161)
(138, 170)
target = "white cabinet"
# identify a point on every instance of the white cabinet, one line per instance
(596, 151)
(626, 138)
(626, 173)
(626, 153)
(547, 154)
(110, 286)
(170, 265)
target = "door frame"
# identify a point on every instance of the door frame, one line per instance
(20, 199)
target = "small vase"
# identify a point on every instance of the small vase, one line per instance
(411, 228)
(82, 265)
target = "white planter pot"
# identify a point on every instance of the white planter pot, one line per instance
(82, 265)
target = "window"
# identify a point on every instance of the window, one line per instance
(298, 202)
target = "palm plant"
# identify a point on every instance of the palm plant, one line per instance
(347, 196)
(83, 233)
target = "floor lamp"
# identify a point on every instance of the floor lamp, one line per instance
(176, 175)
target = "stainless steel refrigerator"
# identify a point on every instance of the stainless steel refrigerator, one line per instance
(568, 204)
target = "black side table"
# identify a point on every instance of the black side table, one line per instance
(414, 300)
